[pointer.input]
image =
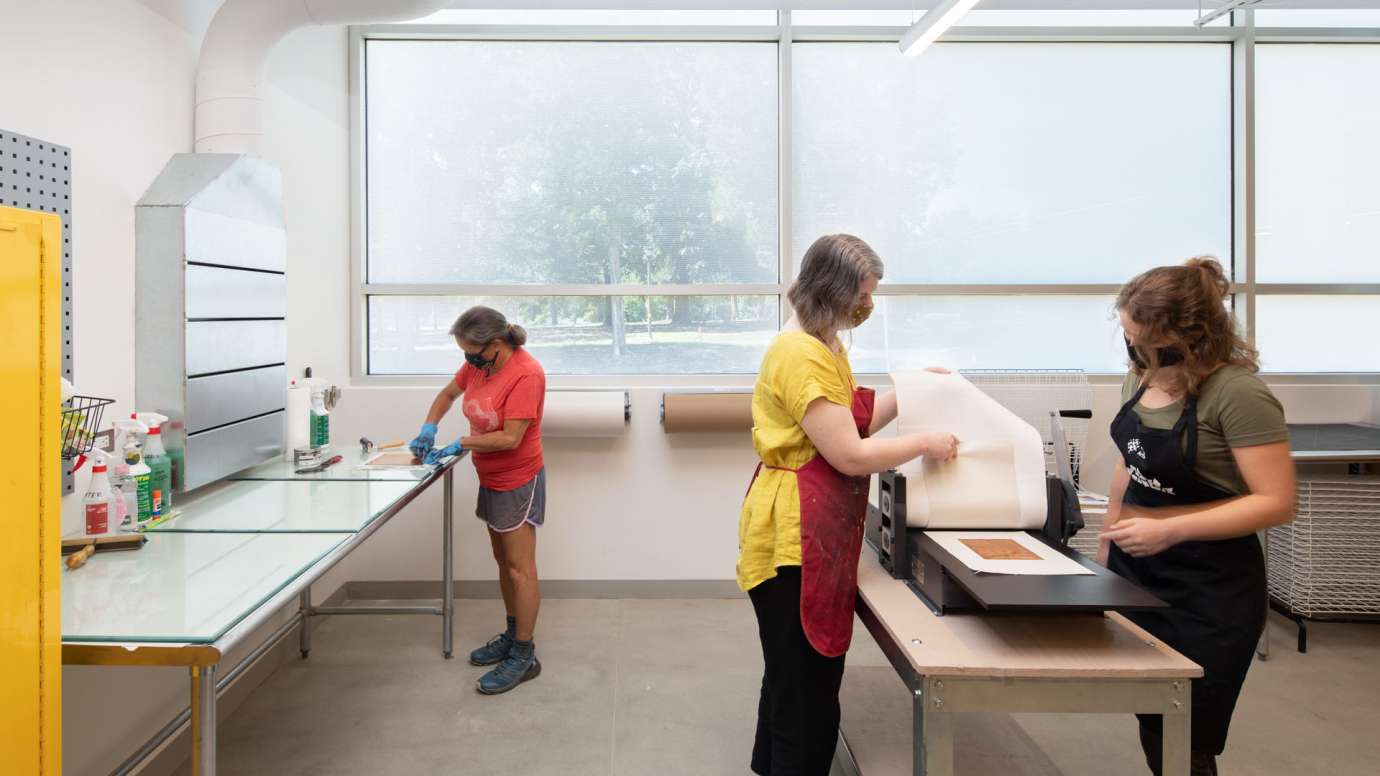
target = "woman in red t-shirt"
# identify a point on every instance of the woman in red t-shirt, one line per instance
(503, 389)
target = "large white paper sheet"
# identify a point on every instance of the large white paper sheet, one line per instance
(998, 478)
(1050, 562)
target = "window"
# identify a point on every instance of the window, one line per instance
(610, 179)
(607, 17)
(1318, 333)
(1178, 17)
(1296, 17)
(575, 335)
(1318, 205)
(990, 331)
(1015, 162)
(571, 171)
(1318, 163)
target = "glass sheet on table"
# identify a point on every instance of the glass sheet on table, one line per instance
(183, 587)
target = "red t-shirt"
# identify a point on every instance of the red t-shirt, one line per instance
(515, 392)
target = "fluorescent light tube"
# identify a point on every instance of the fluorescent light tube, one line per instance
(934, 23)
(1226, 8)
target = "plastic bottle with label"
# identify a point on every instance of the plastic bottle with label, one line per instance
(320, 417)
(128, 454)
(98, 501)
(159, 463)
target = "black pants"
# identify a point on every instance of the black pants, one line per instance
(798, 715)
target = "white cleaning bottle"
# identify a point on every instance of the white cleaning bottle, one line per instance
(156, 456)
(139, 472)
(299, 423)
(98, 502)
(320, 417)
(126, 437)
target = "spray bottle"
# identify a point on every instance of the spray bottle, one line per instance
(320, 435)
(138, 470)
(98, 502)
(126, 446)
(159, 463)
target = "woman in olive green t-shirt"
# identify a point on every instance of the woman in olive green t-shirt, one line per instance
(1204, 465)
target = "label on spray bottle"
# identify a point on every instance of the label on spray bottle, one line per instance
(97, 518)
(143, 483)
(320, 430)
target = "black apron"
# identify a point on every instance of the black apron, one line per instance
(1216, 589)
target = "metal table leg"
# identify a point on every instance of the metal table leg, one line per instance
(447, 565)
(1262, 647)
(203, 727)
(1175, 742)
(304, 612)
(933, 750)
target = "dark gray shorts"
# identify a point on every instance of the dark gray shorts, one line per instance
(507, 510)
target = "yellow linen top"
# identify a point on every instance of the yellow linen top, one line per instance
(796, 370)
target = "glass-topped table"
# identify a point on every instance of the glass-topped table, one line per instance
(351, 467)
(239, 552)
(184, 587)
(278, 506)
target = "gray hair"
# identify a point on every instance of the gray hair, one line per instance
(481, 325)
(831, 275)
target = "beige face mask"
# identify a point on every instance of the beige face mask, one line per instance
(860, 315)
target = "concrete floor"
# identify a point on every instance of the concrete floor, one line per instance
(666, 687)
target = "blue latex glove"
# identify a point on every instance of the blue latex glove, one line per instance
(434, 457)
(426, 440)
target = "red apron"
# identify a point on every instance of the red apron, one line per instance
(833, 508)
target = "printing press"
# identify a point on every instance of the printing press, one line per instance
(946, 584)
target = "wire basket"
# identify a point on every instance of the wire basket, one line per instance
(81, 417)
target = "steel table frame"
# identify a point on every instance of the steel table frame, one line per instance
(203, 660)
(934, 699)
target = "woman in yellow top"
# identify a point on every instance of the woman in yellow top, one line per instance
(801, 525)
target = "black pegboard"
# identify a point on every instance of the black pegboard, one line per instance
(37, 175)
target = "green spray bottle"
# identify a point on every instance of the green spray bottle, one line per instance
(156, 456)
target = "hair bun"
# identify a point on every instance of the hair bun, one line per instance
(1212, 272)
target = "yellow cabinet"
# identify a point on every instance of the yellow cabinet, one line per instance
(30, 486)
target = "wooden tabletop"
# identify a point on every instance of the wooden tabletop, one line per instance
(1011, 645)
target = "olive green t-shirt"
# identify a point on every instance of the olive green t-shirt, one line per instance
(1235, 409)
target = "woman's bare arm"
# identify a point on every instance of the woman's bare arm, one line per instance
(831, 430)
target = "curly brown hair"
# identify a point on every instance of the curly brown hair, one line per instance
(1183, 308)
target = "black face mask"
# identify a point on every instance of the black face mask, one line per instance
(478, 361)
(1165, 356)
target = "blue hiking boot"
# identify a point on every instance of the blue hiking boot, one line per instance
(520, 666)
(494, 652)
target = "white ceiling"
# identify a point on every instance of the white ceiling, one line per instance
(194, 16)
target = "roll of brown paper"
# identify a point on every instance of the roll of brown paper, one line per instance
(707, 412)
(584, 414)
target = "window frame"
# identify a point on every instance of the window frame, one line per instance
(1241, 35)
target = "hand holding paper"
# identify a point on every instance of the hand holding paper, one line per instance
(997, 479)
